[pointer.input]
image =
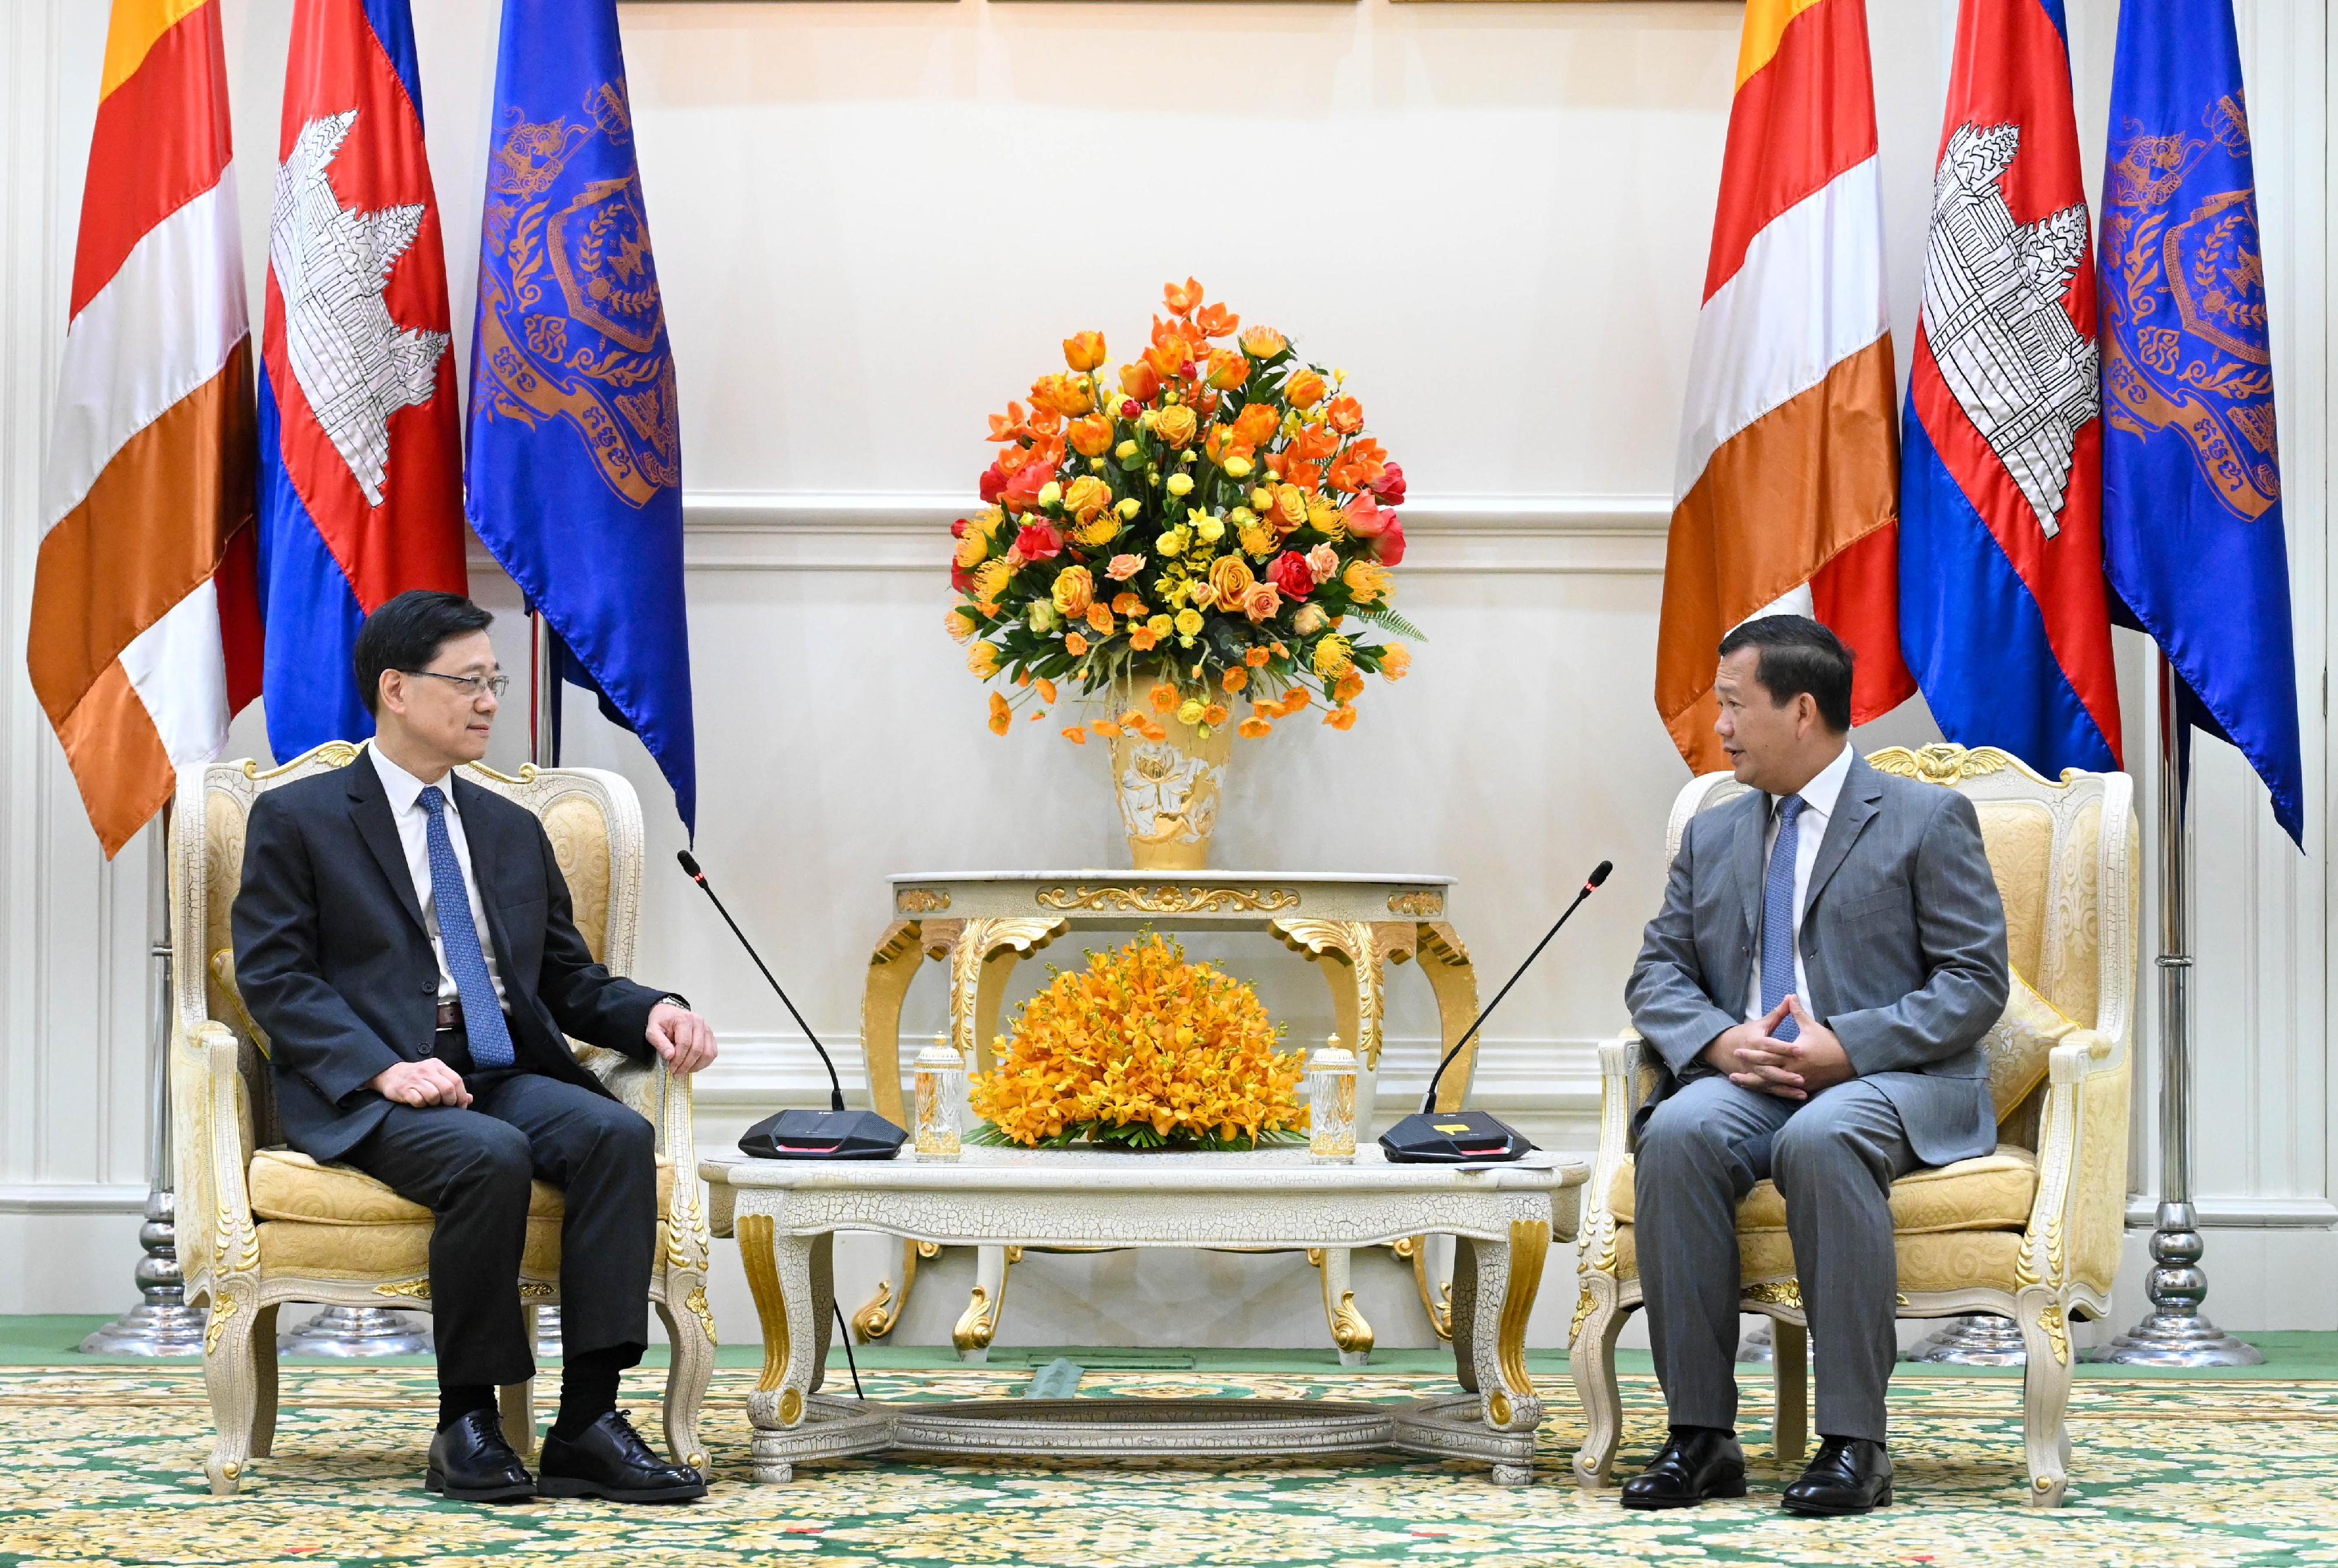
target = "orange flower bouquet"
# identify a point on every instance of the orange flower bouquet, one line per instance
(1142, 1049)
(1216, 529)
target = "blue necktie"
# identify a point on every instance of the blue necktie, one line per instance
(483, 1017)
(1777, 918)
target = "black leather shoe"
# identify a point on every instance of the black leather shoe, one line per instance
(1850, 1475)
(608, 1459)
(471, 1463)
(1694, 1463)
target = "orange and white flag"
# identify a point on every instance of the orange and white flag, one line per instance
(1788, 479)
(145, 624)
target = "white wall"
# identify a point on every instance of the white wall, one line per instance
(875, 221)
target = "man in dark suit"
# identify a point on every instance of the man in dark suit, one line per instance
(1830, 954)
(404, 939)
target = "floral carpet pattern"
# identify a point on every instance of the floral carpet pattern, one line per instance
(101, 1466)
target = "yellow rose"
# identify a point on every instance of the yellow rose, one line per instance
(1161, 626)
(1050, 492)
(1367, 581)
(1289, 506)
(1333, 657)
(1310, 620)
(958, 625)
(1175, 424)
(1074, 591)
(1189, 623)
(1190, 711)
(1238, 467)
(983, 659)
(1180, 485)
(1173, 544)
(1211, 529)
(1088, 497)
(1130, 508)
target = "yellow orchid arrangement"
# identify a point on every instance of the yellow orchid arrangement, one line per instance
(1212, 528)
(1143, 1050)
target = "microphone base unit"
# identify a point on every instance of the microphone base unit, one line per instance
(1453, 1137)
(823, 1135)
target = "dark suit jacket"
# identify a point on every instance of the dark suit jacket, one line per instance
(335, 963)
(1902, 938)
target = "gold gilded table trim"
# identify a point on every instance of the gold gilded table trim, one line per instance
(1170, 900)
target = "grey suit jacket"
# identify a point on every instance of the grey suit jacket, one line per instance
(1903, 945)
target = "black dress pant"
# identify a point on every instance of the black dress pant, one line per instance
(471, 1169)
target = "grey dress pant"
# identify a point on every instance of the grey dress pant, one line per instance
(1833, 1157)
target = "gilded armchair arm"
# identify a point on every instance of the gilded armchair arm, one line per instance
(219, 1240)
(689, 1246)
(1623, 1084)
(2062, 1131)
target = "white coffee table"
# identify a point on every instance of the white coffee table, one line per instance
(785, 1214)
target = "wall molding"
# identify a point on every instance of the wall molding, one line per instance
(74, 1197)
(2225, 1213)
(899, 530)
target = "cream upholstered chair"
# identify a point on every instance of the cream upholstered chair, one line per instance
(260, 1225)
(2029, 1232)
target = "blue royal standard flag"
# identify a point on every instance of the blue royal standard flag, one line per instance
(575, 473)
(2192, 517)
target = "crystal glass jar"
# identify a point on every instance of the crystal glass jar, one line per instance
(941, 1091)
(1331, 1112)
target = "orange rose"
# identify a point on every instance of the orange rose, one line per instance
(1228, 369)
(1176, 426)
(1001, 716)
(1234, 679)
(1232, 577)
(1183, 301)
(1139, 381)
(1092, 437)
(1343, 717)
(1290, 507)
(1074, 591)
(1263, 342)
(1084, 350)
(1262, 601)
(1305, 389)
(1086, 496)
(1346, 416)
(1217, 321)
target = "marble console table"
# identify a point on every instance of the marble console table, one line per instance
(1353, 927)
(1503, 1217)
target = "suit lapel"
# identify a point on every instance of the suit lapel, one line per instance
(369, 811)
(1753, 826)
(1855, 808)
(486, 860)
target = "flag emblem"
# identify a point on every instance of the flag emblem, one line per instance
(356, 366)
(1993, 310)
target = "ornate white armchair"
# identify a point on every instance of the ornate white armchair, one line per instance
(2029, 1232)
(260, 1225)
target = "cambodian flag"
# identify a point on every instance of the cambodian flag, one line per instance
(361, 492)
(2192, 466)
(575, 464)
(2003, 614)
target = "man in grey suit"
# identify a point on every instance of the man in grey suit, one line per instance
(1830, 951)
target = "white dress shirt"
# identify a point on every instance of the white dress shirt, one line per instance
(414, 837)
(1819, 798)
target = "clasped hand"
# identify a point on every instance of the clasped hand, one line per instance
(681, 1037)
(1796, 1069)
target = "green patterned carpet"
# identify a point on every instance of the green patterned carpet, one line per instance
(100, 1466)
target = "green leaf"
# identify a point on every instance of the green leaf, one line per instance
(1388, 620)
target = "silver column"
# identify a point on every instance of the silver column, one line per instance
(161, 1324)
(2174, 1333)
(543, 712)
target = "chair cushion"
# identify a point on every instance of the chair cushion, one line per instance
(286, 1184)
(1940, 1261)
(1990, 1193)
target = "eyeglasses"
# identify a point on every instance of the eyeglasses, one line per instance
(472, 685)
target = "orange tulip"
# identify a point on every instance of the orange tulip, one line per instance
(1313, 442)
(1305, 389)
(1092, 437)
(1305, 476)
(1217, 321)
(1168, 358)
(1228, 369)
(1263, 342)
(1084, 350)
(1346, 416)
(1341, 718)
(1183, 301)
(1234, 679)
(1254, 425)
(1139, 381)
(1001, 716)
(1061, 395)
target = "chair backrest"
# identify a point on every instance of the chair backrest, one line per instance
(2064, 856)
(593, 818)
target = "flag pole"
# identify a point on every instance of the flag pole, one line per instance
(2175, 1333)
(161, 1324)
(544, 750)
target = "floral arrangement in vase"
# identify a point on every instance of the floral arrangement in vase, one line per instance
(1214, 531)
(1142, 1049)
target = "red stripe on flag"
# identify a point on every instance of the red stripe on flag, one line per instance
(1799, 122)
(242, 627)
(1856, 596)
(161, 140)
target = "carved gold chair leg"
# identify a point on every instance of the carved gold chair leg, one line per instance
(1350, 1334)
(690, 1338)
(263, 1365)
(881, 1311)
(1790, 1433)
(2045, 1398)
(978, 1323)
(1591, 1357)
(229, 1378)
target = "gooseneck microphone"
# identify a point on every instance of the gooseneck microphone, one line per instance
(834, 1133)
(1454, 1137)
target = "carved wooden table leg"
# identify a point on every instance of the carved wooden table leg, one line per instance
(779, 1272)
(1350, 1334)
(891, 970)
(986, 1303)
(1509, 1275)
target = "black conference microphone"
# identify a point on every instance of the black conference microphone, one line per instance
(1434, 1137)
(834, 1133)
